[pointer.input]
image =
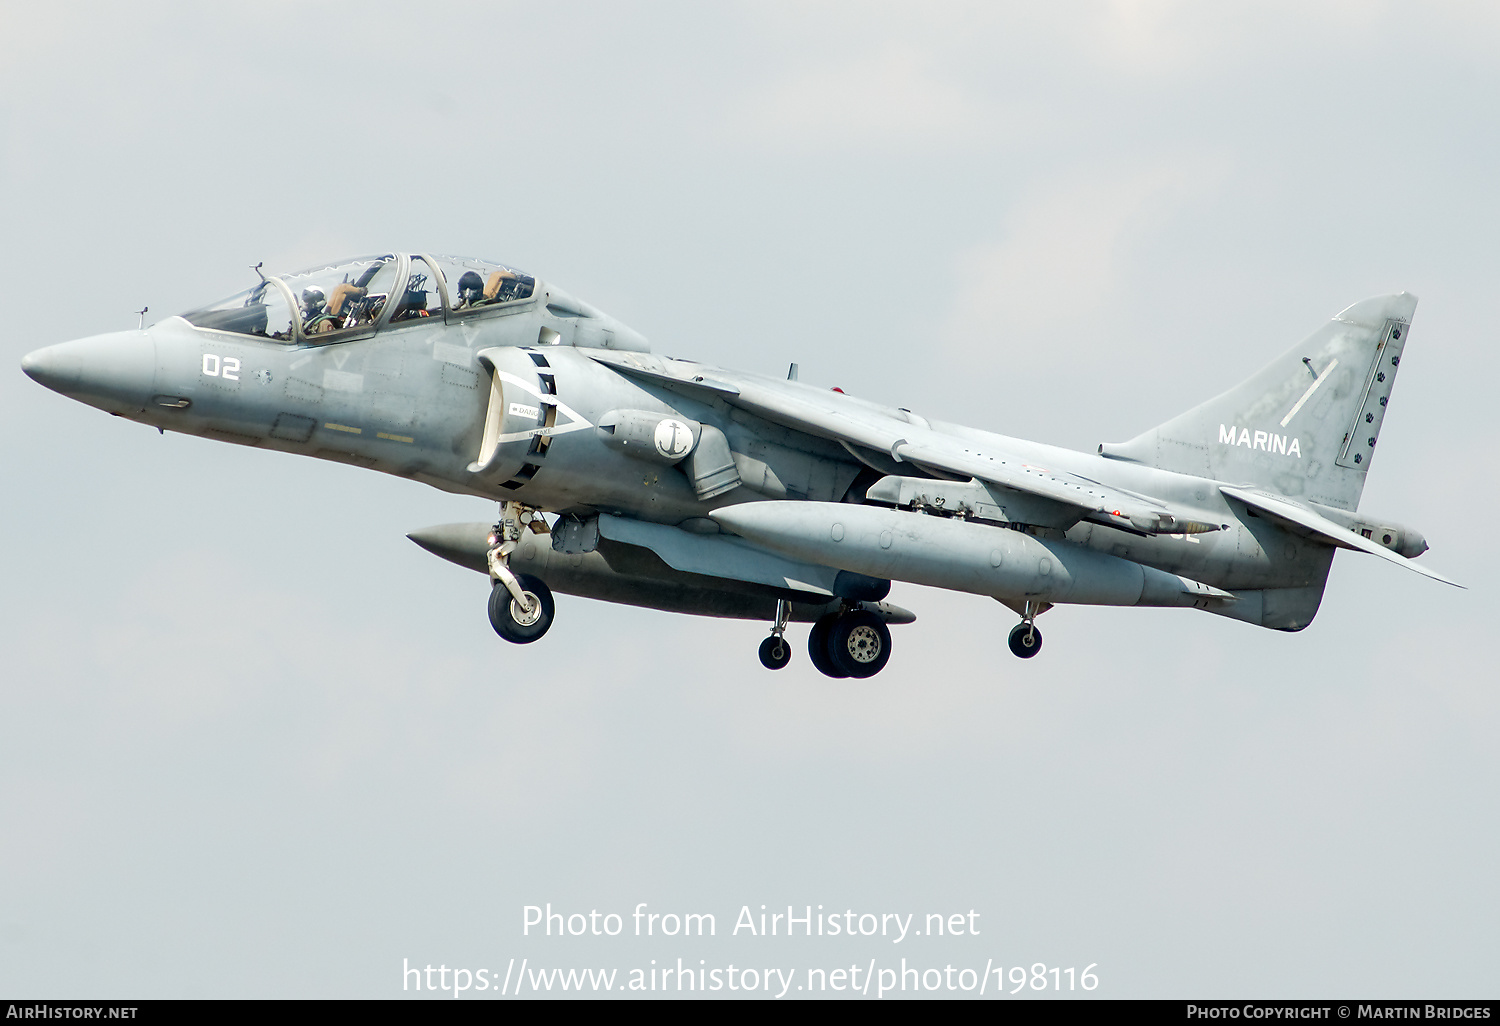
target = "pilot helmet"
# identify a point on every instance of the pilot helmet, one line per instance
(470, 286)
(313, 299)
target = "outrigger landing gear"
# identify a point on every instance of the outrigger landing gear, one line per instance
(1025, 639)
(521, 605)
(775, 653)
(855, 643)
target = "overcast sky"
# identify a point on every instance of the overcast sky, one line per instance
(253, 742)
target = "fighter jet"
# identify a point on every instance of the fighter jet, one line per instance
(630, 477)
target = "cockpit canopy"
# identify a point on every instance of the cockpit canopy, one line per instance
(353, 298)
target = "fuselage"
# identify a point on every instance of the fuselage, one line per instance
(506, 402)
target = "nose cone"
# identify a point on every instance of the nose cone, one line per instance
(114, 372)
(55, 367)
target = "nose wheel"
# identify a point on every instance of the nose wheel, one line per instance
(520, 605)
(525, 619)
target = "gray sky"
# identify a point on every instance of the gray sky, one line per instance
(255, 743)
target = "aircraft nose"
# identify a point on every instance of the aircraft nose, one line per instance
(104, 370)
(54, 367)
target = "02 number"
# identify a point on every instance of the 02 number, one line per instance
(227, 367)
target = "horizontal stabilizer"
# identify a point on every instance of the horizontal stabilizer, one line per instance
(1324, 528)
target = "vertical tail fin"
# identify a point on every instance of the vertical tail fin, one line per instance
(1307, 424)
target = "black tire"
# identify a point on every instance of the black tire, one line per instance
(817, 647)
(508, 619)
(775, 653)
(859, 644)
(1025, 640)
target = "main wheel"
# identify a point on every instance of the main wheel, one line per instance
(775, 653)
(1025, 640)
(817, 647)
(859, 644)
(514, 623)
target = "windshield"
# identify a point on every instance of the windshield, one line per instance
(262, 310)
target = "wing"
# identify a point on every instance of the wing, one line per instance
(866, 429)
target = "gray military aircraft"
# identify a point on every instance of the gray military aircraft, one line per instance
(695, 489)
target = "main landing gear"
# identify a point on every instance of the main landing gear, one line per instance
(850, 643)
(520, 605)
(1025, 639)
(854, 643)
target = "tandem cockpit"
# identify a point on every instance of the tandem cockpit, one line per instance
(355, 298)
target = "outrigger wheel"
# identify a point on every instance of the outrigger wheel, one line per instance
(1025, 640)
(775, 653)
(518, 624)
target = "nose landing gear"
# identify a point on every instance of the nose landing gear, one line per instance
(521, 605)
(525, 619)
